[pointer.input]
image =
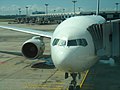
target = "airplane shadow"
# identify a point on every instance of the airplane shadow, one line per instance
(42, 65)
(47, 64)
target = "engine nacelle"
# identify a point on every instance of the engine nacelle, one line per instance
(33, 48)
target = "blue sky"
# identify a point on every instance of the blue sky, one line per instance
(11, 6)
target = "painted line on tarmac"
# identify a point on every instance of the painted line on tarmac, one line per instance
(82, 82)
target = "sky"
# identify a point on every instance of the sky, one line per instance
(10, 7)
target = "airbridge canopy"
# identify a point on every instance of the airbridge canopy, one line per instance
(96, 30)
(106, 38)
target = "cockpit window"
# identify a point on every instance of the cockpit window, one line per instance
(72, 43)
(82, 42)
(55, 42)
(77, 42)
(62, 43)
(59, 42)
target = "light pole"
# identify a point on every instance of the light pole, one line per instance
(79, 8)
(46, 8)
(26, 11)
(63, 10)
(19, 10)
(98, 7)
(54, 11)
(74, 5)
(117, 6)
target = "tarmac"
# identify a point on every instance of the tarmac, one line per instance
(103, 76)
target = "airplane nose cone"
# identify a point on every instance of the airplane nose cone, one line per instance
(59, 57)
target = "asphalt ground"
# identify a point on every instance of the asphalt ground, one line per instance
(103, 76)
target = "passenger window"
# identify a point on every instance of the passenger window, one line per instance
(72, 43)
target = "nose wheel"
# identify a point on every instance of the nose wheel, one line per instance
(73, 85)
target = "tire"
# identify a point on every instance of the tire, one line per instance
(71, 87)
(77, 87)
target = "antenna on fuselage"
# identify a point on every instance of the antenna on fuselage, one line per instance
(98, 7)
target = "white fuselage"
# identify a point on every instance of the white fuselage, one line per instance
(72, 46)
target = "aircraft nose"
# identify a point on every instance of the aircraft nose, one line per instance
(59, 57)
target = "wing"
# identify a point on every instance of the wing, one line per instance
(30, 31)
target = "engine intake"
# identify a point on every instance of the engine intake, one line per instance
(33, 48)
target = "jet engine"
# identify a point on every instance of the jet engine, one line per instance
(33, 48)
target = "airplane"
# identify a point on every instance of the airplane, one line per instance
(72, 46)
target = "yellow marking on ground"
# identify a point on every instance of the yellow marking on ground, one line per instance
(81, 84)
(46, 86)
(55, 89)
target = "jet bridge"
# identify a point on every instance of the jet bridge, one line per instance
(106, 39)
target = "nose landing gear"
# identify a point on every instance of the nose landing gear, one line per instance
(73, 85)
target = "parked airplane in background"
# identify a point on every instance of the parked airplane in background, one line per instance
(72, 46)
